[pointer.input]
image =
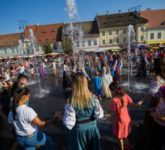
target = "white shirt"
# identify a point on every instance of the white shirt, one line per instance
(23, 120)
(21, 69)
(70, 114)
(54, 65)
(155, 85)
(65, 68)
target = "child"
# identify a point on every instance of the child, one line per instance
(26, 123)
(98, 84)
(121, 117)
(106, 81)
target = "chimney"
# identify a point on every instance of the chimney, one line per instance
(148, 9)
(119, 11)
(107, 12)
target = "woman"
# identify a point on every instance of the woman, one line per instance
(149, 124)
(66, 75)
(80, 116)
(25, 122)
(98, 84)
(159, 119)
(106, 81)
(54, 68)
(120, 114)
(42, 70)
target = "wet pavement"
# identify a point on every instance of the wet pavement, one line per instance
(54, 101)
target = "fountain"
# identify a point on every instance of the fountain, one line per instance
(42, 92)
(131, 39)
(140, 86)
(21, 48)
(74, 33)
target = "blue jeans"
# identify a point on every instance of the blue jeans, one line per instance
(39, 138)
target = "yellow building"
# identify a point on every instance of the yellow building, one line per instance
(113, 29)
(155, 28)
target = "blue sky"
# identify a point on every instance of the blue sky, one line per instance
(54, 11)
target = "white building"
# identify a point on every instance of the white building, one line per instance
(87, 35)
(9, 46)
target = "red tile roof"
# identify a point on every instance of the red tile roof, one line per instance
(156, 18)
(9, 39)
(50, 33)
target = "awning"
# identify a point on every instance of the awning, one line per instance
(51, 54)
(156, 42)
(162, 45)
(141, 46)
(103, 49)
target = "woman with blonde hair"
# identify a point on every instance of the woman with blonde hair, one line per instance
(81, 112)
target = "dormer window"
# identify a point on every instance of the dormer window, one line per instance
(163, 23)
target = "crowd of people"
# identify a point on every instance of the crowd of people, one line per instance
(88, 79)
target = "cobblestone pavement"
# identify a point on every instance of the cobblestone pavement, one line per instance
(54, 101)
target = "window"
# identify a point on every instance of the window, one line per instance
(95, 42)
(110, 32)
(142, 29)
(163, 23)
(142, 38)
(6, 51)
(103, 42)
(117, 31)
(89, 43)
(110, 41)
(124, 40)
(13, 51)
(103, 33)
(83, 43)
(124, 31)
(117, 40)
(159, 35)
(43, 32)
(152, 36)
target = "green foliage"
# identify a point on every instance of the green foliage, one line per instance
(47, 49)
(67, 45)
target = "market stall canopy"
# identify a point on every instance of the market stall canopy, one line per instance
(141, 46)
(103, 49)
(52, 54)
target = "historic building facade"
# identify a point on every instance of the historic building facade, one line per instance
(9, 45)
(155, 28)
(105, 32)
(44, 35)
(87, 35)
(113, 29)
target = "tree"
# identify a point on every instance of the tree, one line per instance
(67, 45)
(47, 49)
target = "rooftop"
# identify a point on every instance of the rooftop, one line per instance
(9, 39)
(50, 33)
(119, 19)
(89, 28)
(156, 18)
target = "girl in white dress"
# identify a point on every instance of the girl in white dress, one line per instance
(106, 81)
